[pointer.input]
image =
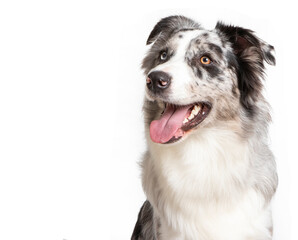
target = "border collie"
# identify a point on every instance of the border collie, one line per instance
(208, 173)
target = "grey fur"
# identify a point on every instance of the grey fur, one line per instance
(235, 96)
(146, 227)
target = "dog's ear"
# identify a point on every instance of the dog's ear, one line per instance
(168, 25)
(251, 53)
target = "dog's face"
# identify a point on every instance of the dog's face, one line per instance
(195, 76)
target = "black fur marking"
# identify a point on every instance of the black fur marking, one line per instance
(198, 72)
(232, 60)
(212, 70)
(144, 226)
(249, 83)
(193, 63)
(269, 58)
(168, 25)
(216, 49)
(205, 35)
(137, 232)
(248, 59)
(241, 38)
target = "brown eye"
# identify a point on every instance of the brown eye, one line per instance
(205, 60)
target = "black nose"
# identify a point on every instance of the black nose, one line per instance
(158, 81)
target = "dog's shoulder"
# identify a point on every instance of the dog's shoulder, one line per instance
(144, 228)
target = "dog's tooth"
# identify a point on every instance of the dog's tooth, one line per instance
(185, 121)
(195, 110)
(191, 116)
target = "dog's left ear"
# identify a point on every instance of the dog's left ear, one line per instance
(251, 53)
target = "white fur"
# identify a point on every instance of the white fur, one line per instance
(216, 182)
(196, 179)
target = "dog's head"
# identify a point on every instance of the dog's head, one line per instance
(195, 76)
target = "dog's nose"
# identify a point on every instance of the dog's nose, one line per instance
(158, 80)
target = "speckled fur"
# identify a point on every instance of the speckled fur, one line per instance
(217, 182)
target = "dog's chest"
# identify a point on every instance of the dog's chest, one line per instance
(246, 220)
(201, 190)
(214, 165)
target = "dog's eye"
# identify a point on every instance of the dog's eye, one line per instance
(163, 56)
(205, 60)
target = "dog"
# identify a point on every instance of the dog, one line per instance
(208, 173)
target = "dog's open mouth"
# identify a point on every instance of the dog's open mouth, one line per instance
(175, 121)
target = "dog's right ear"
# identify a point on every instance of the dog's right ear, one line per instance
(168, 25)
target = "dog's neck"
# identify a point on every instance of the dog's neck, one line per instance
(208, 166)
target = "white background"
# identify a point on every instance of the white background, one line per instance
(71, 130)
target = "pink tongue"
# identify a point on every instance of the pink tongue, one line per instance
(162, 130)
